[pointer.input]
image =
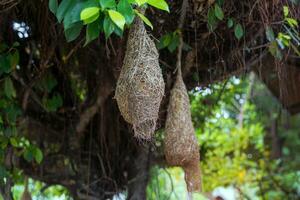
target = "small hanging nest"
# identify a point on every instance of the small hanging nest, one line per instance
(140, 87)
(181, 146)
(26, 194)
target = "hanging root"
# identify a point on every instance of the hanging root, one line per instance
(140, 87)
(7, 4)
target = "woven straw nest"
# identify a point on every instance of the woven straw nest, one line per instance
(181, 146)
(140, 87)
(26, 195)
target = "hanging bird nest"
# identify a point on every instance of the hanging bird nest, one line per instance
(140, 87)
(26, 194)
(181, 145)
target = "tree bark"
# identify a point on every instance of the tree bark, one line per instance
(6, 189)
(275, 140)
(138, 184)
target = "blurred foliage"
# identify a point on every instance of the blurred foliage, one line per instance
(40, 190)
(238, 154)
(108, 16)
(11, 143)
(232, 155)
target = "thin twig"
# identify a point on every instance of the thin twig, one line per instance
(74, 49)
(180, 27)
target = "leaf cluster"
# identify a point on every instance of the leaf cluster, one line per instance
(108, 16)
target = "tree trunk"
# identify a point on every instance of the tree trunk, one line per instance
(275, 141)
(6, 189)
(140, 173)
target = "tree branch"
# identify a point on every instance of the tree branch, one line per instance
(89, 113)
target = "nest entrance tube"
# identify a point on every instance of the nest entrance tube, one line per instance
(140, 87)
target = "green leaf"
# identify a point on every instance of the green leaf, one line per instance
(3, 103)
(238, 31)
(92, 31)
(118, 31)
(164, 41)
(174, 43)
(4, 64)
(14, 59)
(220, 2)
(14, 142)
(160, 4)
(107, 4)
(274, 50)
(54, 103)
(73, 14)
(89, 15)
(108, 27)
(218, 12)
(270, 34)
(140, 2)
(230, 23)
(126, 10)
(3, 173)
(195, 77)
(3, 142)
(9, 88)
(117, 18)
(144, 18)
(47, 83)
(73, 32)
(62, 9)
(53, 4)
(292, 22)
(284, 38)
(285, 11)
(12, 113)
(28, 154)
(91, 19)
(38, 155)
(212, 21)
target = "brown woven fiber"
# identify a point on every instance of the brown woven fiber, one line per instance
(181, 146)
(140, 87)
(26, 194)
